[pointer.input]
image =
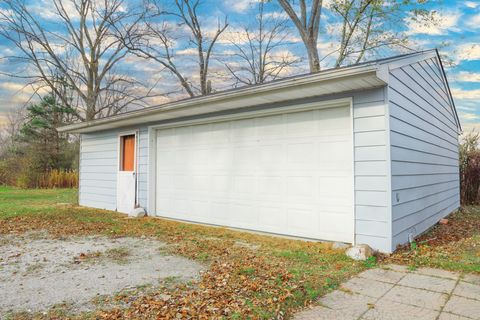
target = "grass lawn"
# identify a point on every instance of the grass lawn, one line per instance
(248, 276)
(454, 246)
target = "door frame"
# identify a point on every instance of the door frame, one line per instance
(322, 104)
(121, 134)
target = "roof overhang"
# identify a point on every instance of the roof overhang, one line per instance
(360, 77)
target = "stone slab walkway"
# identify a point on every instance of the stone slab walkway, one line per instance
(393, 292)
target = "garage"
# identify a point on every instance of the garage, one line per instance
(362, 154)
(288, 173)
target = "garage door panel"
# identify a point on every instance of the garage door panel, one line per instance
(220, 184)
(220, 212)
(334, 187)
(182, 136)
(289, 174)
(333, 151)
(163, 204)
(201, 157)
(244, 130)
(270, 158)
(301, 154)
(300, 186)
(245, 215)
(301, 124)
(200, 182)
(302, 221)
(244, 185)
(245, 157)
(200, 209)
(271, 128)
(270, 186)
(164, 181)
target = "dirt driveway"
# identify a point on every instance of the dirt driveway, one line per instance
(38, 272)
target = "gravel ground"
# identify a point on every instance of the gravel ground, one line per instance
(38, 272)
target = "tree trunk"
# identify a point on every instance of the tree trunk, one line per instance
(313, 58)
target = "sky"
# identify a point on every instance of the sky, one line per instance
(456, 35)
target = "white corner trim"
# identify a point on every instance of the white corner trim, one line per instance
(152, 171)
(389, 169)
(352, 136)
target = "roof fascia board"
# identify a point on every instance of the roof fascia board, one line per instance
(329, 76)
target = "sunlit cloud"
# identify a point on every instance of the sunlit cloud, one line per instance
(474, 22)
(443, 22)
(240, 6)
(471, 4)
(465, 94)
(467, 76)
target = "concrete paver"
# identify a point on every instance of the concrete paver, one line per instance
(367, 287)
(394, 292)
(399, 311)
(438, 273)
(450, 316)
(428, 283)
(340, 300)
(463, 307)
(338, 305)
(417, 297)
(467, 290)
(471, 278)
(382, 275)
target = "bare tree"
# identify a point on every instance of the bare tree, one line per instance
(364, 28)
(258, 57)
(14, 122)
(156, 37)
(81, 51)
(307, 22)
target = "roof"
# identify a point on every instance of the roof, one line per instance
(362, 76)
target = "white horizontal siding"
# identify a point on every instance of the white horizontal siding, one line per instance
(98, 169)
(98, 164)
(424, 149)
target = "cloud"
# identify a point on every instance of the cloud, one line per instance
(239, 6)
(443, 22)
(468, 116)
(474, 22)
(46, 10)
(188, 52)
(466, 94)
(467, 76)
(12, 86)
(276, 15)
(471, 4)
(468, 51)
(469, 127)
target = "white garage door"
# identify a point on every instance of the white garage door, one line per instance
(289, 174)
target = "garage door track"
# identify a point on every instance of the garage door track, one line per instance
(394, 292)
